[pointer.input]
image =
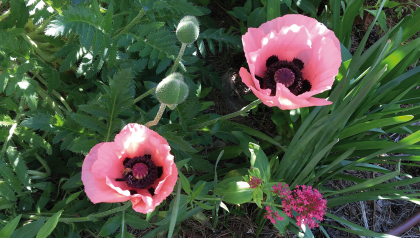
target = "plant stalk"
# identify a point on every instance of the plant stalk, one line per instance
(178, 59)
(12, 129)
(132, 23)
(158, 116)
(145, 94)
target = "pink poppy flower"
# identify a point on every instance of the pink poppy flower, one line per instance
(137, 166)
(291, 59)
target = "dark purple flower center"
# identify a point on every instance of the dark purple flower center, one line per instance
(284, 76)
(285, 72)
(140, 172)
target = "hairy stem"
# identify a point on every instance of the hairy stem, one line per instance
(145, 94)
(83, 219)
(158, 116)
(132, 23)
(228, 116)
(178, 59)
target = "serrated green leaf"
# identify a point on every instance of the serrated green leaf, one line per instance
(33, 139)
(136, 222)
(5, 120)
(7, 192)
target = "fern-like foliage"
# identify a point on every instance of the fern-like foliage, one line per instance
(219, 36)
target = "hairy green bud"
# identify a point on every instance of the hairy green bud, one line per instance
(172, 90)
(188, 29)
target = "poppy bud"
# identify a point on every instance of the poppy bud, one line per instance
(188, 30)
(172, 90)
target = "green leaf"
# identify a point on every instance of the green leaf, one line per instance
(136, 222)
(312, 163)
(73, 182)
(9, 177)
(177, 142)
(6, 192)
(111, 225)
(363, 231)
(306, 6)
(365, 127)
(175, 209)
(257, 17)
(45, 197)
(28, 230)
(19, 166)
(204, 206)
(273, 9)
(241, 13)
(281, 224)
(34, 139)
(185, 183)
(259, 160)
(235, 192)
(10, 227)
(73, 196)
(5, 120)
(49, 226)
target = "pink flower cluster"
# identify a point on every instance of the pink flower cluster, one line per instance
(305, 200)
(255, 181)
(274, 217)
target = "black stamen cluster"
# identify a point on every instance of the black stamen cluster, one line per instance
(148, 180)
(299, 86)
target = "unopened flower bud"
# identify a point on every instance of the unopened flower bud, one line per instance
(172, 90)
(188, 29)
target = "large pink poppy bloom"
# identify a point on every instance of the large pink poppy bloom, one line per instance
(137, 166)
(291, 59)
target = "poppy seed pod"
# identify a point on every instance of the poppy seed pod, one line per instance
(172, 90)
(188, 30)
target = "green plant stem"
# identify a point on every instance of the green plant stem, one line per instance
(83, 219)
(178, 58)
(41, 28)
(48, 58)
(49, 100)
(145, 94)
(63, 101)
(39, 175)
(6, 14)
(132, 23)
(123, 224)
(158, 116)
(269, 204)
(12, 129)
(225, 117)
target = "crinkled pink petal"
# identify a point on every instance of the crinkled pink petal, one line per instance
(288, 37)
(96, 188)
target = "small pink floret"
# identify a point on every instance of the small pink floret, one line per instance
(305, 200)
(254, 182)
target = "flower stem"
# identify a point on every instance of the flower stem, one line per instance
(228, 116)
(145, 95)
(132, 23)
(83, 219)
(178, 59)
(158, 116)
